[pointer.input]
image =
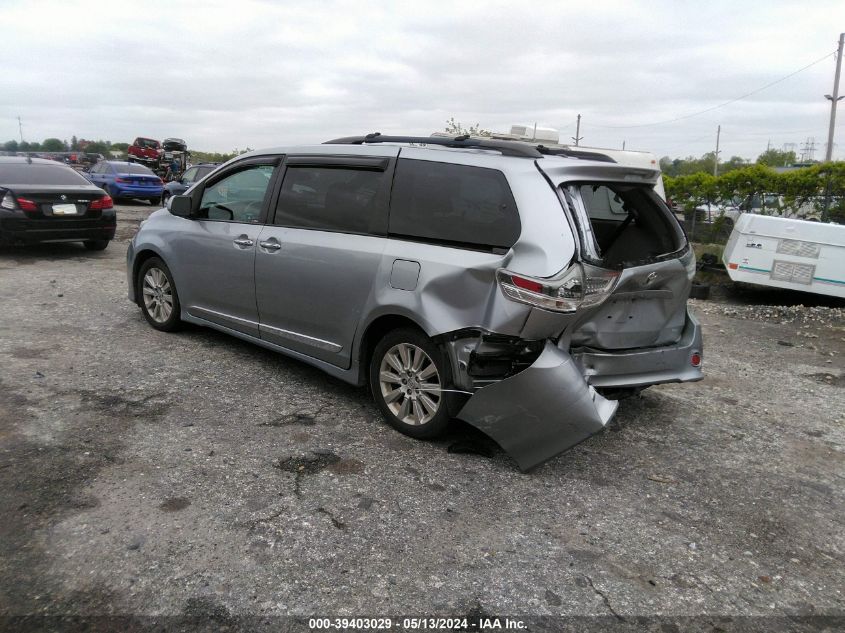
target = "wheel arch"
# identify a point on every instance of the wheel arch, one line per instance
(142, 256)
(375, 330)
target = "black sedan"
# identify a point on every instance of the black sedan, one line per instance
(46, 201)
(191, 175)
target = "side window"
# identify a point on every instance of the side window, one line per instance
(458, 204)
(329, 198)
(190, 176)
(237, 197)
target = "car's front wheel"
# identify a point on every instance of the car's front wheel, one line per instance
(159, 300)
(408, 375)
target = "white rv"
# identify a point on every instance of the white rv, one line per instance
(787, 253)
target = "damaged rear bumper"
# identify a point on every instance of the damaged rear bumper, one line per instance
(553, 405)
(644, 367)
(541, 411)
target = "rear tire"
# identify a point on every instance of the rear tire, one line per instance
(96, 245)
(157, 295)
(408, 373)
(164, 198)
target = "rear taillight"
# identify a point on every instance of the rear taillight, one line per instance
(101, 203)
(123, 180)
(578, 286)
(695, 359)
(27, 205)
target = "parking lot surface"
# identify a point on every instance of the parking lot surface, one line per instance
(164, 474)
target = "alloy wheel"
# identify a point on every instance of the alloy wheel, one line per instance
(410, 384)
(158, 295)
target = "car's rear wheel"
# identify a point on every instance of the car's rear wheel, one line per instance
(96, 245)
(164, 197)
(408, 375)
(158, 297)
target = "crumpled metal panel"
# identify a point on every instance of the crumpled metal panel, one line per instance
(540, 412)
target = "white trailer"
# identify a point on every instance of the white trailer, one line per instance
(787, 253)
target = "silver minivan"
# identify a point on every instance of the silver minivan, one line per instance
(519, 288)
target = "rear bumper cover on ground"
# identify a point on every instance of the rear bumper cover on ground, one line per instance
(541, 411)
(553, 405)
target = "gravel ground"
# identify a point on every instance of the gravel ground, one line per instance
(168, 474)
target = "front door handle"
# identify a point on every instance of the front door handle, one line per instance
(243, 241)
(270, 245)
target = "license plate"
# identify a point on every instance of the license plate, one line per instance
(64, 209)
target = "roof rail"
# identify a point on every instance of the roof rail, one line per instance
(506, 148)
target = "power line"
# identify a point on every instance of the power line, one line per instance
(726, 103)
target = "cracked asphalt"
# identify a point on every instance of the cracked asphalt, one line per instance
(144, 473)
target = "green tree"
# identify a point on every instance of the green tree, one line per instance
(25, 146)
(98, 147)
(120, 147)
(74, 143)
(53, 145)
(776, 158)
(10, 146)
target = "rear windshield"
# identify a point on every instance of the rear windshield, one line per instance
(133, 168)
(624, 223)
(453, 204)
(40, 174)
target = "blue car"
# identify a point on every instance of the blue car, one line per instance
(191, 175)
(120, 179)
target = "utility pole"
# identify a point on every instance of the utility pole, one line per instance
(577, 138)
(20, 128)
(834, 98)
(623, 146)
(716, 155)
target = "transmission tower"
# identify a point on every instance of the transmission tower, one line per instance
(808, 149)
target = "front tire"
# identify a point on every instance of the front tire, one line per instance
(157, 295)
(408, 374)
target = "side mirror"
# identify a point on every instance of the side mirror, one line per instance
(180, 206)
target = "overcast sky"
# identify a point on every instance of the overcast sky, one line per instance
(235, 74)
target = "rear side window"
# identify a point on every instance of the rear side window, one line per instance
(40, 174)
(330, 199)
(455, 204)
